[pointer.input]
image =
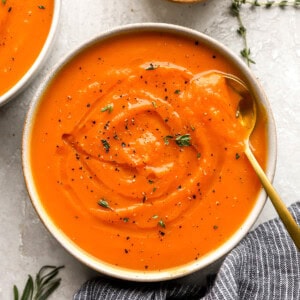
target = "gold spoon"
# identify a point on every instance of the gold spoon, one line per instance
(247, 112)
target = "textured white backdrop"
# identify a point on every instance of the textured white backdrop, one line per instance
(274, 38)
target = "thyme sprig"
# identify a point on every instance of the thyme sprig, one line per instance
(235, 10)
(242, 31)
(268, 4)
(181, 140)
(45, 283)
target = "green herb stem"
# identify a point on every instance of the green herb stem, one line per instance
(242, 31)
(109, 108)
(269, 4)
(235, 9)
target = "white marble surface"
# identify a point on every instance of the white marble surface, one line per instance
(274, 38)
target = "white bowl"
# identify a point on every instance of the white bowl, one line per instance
(39, 61)
(206, 260)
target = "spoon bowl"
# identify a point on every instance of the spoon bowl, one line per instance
(247, 113)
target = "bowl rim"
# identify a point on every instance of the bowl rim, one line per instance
(38, 63)
(179, 271)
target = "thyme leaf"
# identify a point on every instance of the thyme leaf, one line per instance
(103, 203)
(45, 283)
(235, 9)
(106, 145)
(183, 140)
(246, 53)
(161, 223)
(108, 107)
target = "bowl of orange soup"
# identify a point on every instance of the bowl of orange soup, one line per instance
(133, 152)
(27, 30)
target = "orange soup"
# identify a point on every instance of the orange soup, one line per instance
(24, 26)
(137, 151)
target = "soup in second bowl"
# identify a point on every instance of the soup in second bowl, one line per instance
(24, 27)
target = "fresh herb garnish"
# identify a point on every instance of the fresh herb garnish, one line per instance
(105, 145)
(235, 9)
(242, 31)
(183, 140)
(3, 2)
(41, 7)
(103, 203)
(177, 92)
(161, 223)
(108, 107)
(167, 138)
(42, 287)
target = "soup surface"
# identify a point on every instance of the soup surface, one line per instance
(24, 26)
(137, 151)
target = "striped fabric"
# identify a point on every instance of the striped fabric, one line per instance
(265, 265)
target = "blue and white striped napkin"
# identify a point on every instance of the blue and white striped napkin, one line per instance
(265, 265)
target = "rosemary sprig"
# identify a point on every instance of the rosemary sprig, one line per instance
(42, 287)
(235, 10)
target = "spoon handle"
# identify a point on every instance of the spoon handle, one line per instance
(289, 222)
